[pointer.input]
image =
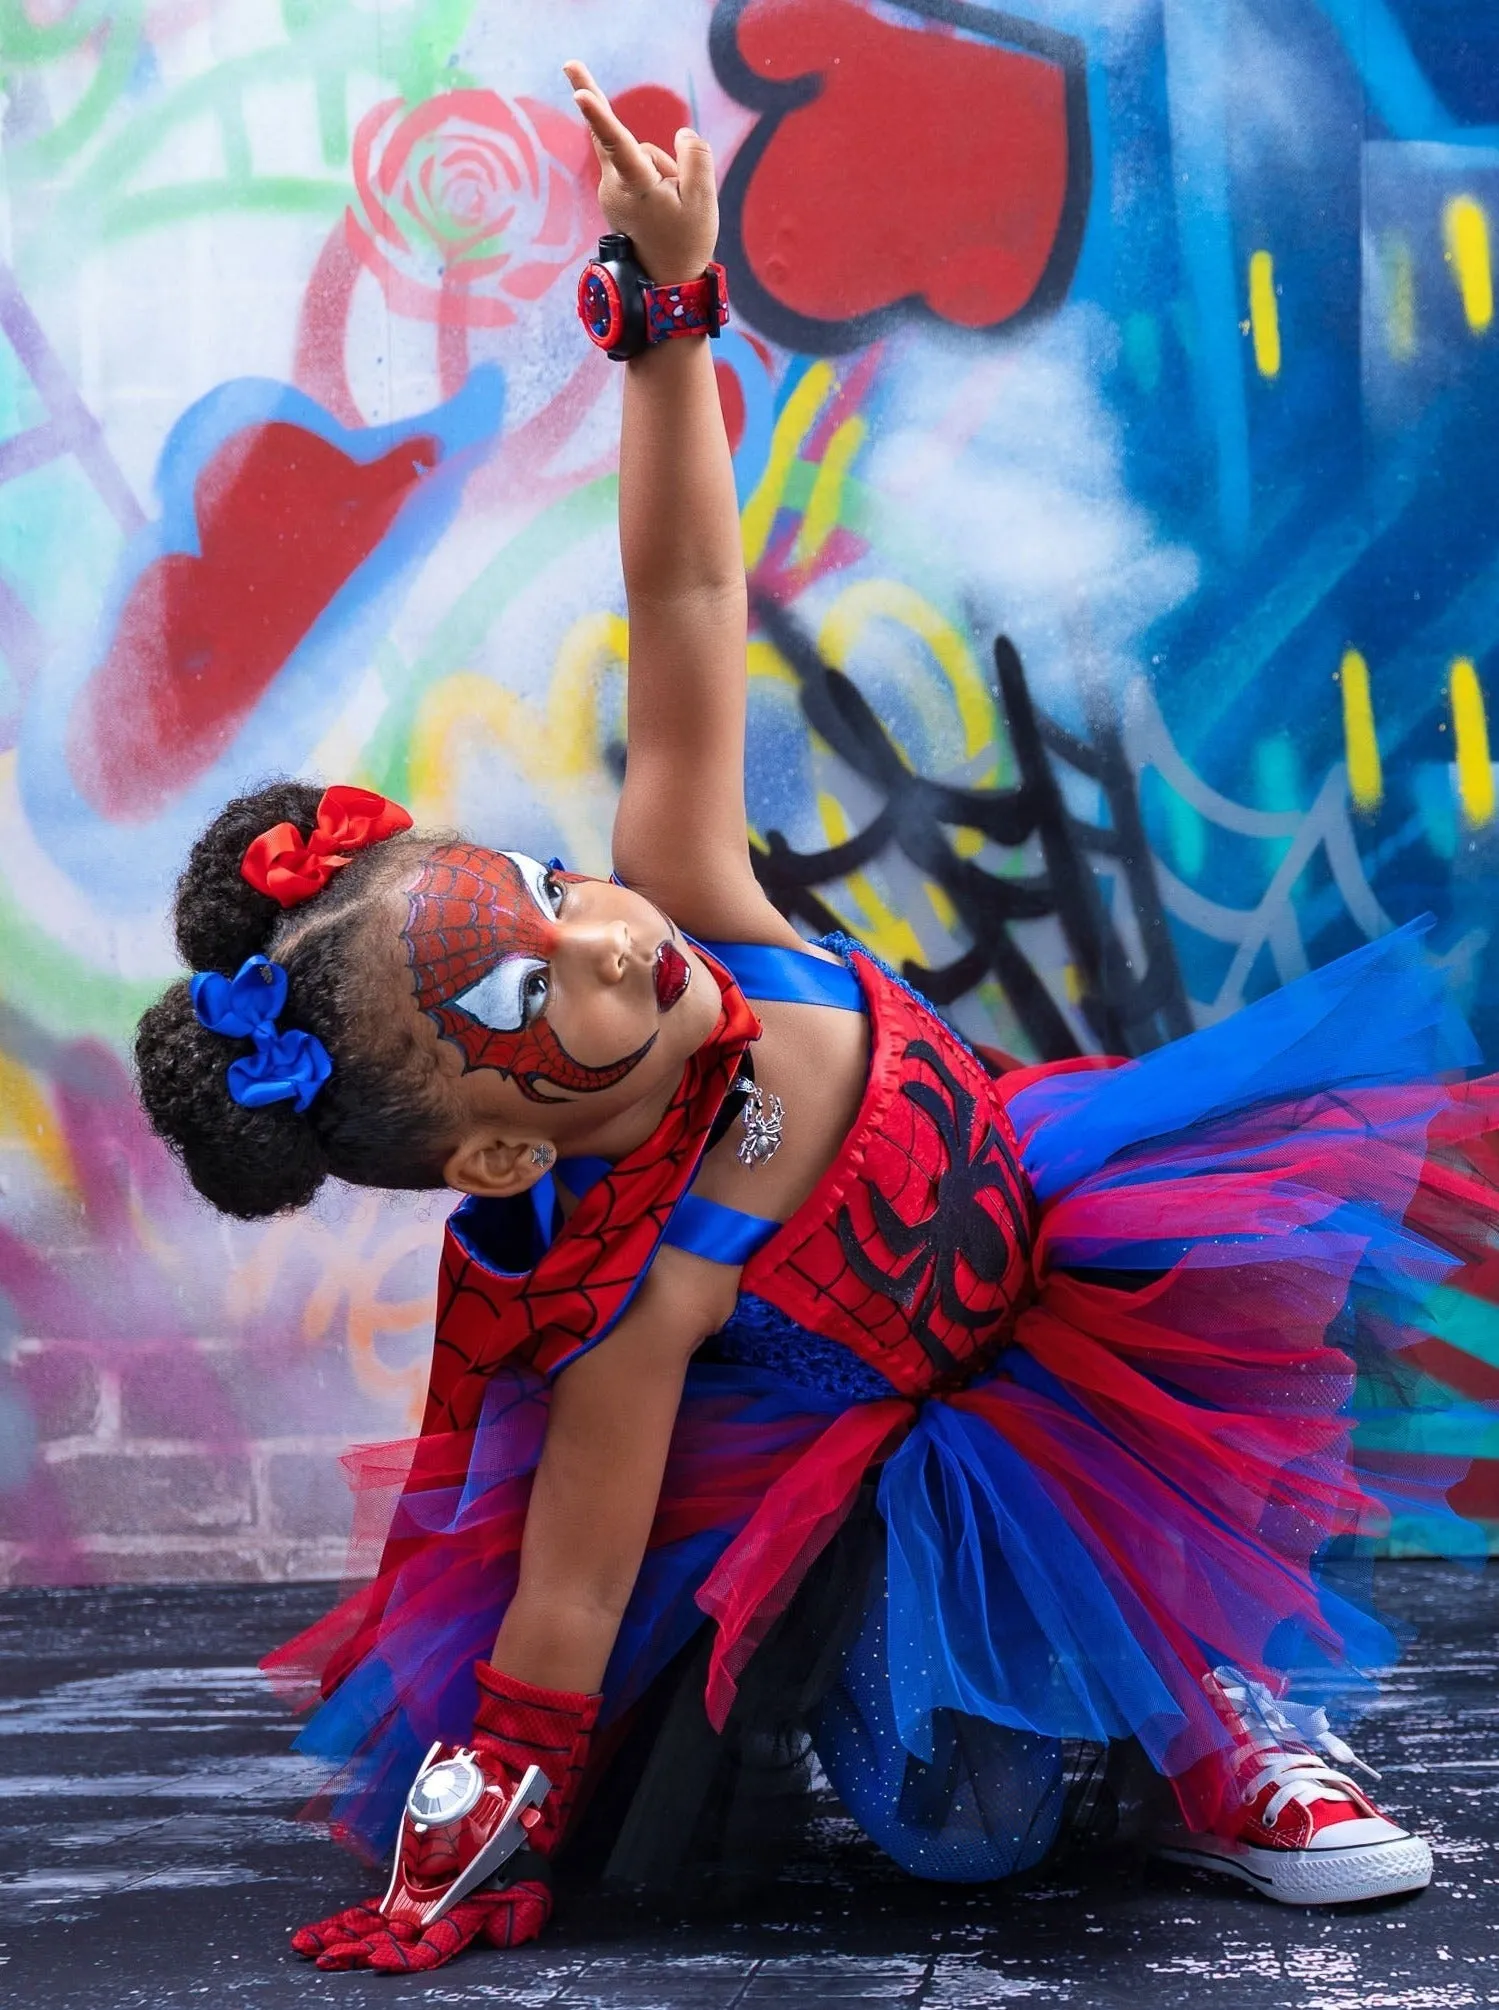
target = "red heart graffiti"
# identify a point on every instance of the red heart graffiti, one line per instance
(284, 519)
(942, 166)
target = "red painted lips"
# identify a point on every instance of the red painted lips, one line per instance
(673, 974)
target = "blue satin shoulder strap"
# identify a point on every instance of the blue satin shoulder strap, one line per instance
(722, 1234)
(706, 1227)
(788, 976)
(702, 1227)
(579, 1176)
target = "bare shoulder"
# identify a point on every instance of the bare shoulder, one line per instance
(682, 1299)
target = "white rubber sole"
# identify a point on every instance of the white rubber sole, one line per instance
(1311, 1876)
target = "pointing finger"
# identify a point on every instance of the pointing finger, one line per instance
(624, 152)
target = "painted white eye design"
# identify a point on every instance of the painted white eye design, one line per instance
(509, 996)
(515, 992)
(540, 882)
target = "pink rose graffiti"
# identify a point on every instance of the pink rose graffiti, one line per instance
(470, 205)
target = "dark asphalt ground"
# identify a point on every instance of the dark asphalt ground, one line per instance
(149, 1856)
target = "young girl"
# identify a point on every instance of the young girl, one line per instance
(959, 1416)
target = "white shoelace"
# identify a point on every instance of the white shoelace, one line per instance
(1286, 1739)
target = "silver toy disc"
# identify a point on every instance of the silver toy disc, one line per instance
(447, 1792)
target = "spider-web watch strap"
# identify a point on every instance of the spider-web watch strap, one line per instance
(694, 307)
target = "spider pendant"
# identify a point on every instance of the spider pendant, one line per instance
(762, 1118)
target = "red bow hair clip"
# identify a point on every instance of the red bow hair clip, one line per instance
(289, 867)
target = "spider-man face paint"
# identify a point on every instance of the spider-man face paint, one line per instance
(481, 929)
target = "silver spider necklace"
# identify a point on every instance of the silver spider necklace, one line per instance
(762, 1117)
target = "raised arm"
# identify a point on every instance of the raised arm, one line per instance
(679, 834)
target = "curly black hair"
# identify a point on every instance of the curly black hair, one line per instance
(379, 1119)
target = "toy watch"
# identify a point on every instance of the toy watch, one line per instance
(624, 313)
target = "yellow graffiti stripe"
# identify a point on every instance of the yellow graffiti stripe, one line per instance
(874, 921)
(1365, 774)
(825, 504)
(763, 661)
(791, 430)
(865, 910)
(463, 702)
(1470, 731)
(555, 748)
(27, 1121)
(1264, 314)
(1466, 230)
(888, 599)
(594, 643)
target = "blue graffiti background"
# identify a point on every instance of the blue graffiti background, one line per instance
(1147, 519)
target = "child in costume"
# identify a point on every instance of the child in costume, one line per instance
(793, 1367)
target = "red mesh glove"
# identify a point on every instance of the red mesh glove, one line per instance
(551, 1728)
(506, 1918)
(515, 1726)
(350, 1924)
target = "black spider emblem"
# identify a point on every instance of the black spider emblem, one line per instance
(922, 1277)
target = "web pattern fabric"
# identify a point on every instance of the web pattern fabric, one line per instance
(919, 1260)
(542, 1317)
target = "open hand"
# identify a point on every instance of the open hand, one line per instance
(362, 1937)
(667, 206)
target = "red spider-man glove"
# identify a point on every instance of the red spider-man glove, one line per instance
(362, 1937)
(353, 1923)
(504, 1801)
(521, 1726)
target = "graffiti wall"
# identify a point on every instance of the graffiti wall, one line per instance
(1114, 392)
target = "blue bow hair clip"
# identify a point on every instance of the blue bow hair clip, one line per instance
(285, 1067)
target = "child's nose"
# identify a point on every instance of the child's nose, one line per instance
(603, 947)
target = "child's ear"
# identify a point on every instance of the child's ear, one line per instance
(497, 1168)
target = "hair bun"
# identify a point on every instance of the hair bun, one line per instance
(220, 918)
(249, 1162)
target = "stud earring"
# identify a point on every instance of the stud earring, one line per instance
(542, 1155)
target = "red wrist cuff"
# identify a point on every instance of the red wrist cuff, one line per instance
(508, 1689)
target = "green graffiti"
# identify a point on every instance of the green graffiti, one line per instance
(122, 43)
(36, 973)
(410, 49)
(23, 40)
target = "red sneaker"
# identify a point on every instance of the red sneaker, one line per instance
(1302, 1831)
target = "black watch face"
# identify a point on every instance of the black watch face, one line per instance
(600, 307)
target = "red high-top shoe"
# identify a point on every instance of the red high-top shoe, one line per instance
(1294, 1826)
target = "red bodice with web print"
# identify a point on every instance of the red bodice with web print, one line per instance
(913, 1251)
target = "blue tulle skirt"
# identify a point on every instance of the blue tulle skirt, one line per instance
(1146, 1482)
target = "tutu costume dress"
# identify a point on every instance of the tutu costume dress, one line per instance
(1075, 1344)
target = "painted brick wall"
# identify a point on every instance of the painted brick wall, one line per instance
(174, 1420)
(143, 1495)
(1204, 418)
